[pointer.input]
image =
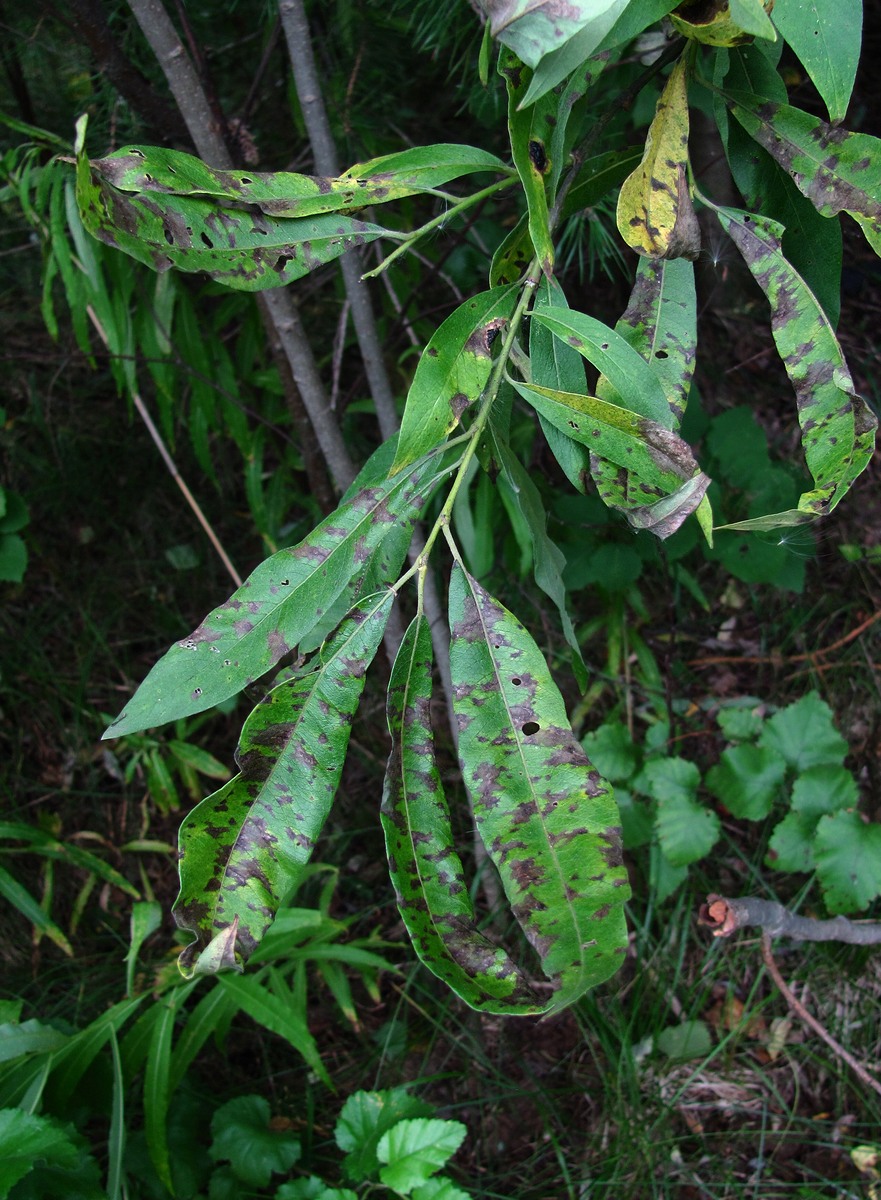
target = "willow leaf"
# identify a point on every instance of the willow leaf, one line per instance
(534, 28)
(452, 372)
(547, 819)
(837, 171)
(838, 428)
(243, 848)
(146, 169)
(555, 364)
(655, 214)
(513, 255)
(426, 871)
(278, 604)
(658, 478)
(725, 23)
(825, 34)
(531, 130)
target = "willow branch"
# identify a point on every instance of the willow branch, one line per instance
(724, 916)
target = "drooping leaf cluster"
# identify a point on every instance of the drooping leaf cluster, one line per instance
(545, 816)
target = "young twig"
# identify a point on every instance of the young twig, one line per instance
(799, 1009)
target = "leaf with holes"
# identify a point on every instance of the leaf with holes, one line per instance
(452, 373)
(243, 847)
(838, 171)
(155, 169)
(547, 819)
(838, 428)
(426, 871)
(278, 604)
(655, 214)
(657, 478)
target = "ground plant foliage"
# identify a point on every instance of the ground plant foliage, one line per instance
(528, 659)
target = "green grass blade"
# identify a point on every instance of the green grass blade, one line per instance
(157, 1094)
(212, 1013)
(545, 815)
(116, 1140)
(19, 897)
(426, 871)
(243, 847)
(49, 847)
(276, 1011)
(838, 428)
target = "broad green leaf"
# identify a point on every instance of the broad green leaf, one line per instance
(837, 426)
(611, 750)
(439, 1188)
(627, 371)
(791, 845)
(747, 779)
(824, 789)
(826, 36)
(531, 130)
(727, 23)
(452, 373)
(848, 856)
(655, 214)
(279, 603)
(803, 734)
(26, 1140)
(417, 1148)
(243, 847)
(426, 871)
(687, 830)
(364, 1119)
(243, 1135)
(147, 169)
(660, 479)
(544, 814)
(534, 28)
(690, 1039)
(837, 171)
(30, 908)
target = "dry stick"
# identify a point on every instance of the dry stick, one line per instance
(724, 916)
(283, 317)
(799, 1009)
(172, 466)
(808, 656)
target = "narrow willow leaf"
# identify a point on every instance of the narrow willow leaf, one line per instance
(452, 373)
(531, 130)
(30, 908)
(838, 428)
(146, 169)
(512, 256)
(547, 819)
(599, 175)
(243, 847)
(555, 364)
(426, 871)
(826, 36)
(533, 28)
(655, 214)
(837, 171)
(620, 23)
(278, 604)
(627, 371)
(726, 23)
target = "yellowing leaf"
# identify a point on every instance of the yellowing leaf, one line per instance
(724, 22)
(655, 214)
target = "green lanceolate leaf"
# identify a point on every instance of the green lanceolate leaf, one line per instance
(534, 28)
(513, 255)
(544, 814)
(659, 482)
(243, 847)
(599, 175)
(825, 34)
(531, 131)
(837, 171)
(426, 871)
(278, 604)
(146, 169)
(838, 429)
(655, 214)
(452, 373)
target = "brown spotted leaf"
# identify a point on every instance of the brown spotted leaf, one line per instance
(655, 214)
(838, 428)
(452, 372)
(426, 870)
(243, 848)
(838, 171)
(546, 817)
